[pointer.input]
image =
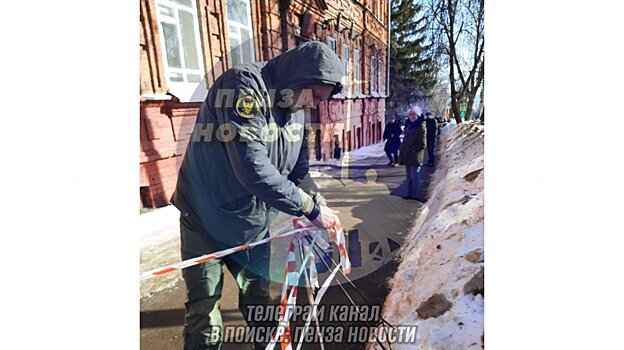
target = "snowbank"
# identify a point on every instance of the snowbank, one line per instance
(439, 282)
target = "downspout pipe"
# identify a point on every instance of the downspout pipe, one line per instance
(388, 54)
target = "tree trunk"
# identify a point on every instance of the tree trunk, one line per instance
(469, 105)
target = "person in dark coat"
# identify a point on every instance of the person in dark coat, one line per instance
(407, 124)
(412, 152)
(392, 134)
(247, 160)
(442, 122)
(432, 133)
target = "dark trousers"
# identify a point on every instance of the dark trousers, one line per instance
(203, 327)
(431, 150)
(393, 153)
(413, 180)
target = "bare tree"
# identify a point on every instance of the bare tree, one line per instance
(456, 26)
(438, 100)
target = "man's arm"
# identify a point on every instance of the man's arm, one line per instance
(420, 141)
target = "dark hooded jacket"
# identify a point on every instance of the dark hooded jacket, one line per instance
(412, 151)
(248, 156)
(392, 133)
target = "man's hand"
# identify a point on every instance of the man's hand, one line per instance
(327, 218)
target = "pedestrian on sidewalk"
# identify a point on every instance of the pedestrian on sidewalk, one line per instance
(442, 122)
(407, 125)
(432, 133)
(230, 188)
(412, 152)
(392, 134)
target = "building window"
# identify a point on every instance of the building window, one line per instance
(331, 42)
(345, 69)
(373, 75)
(356, 70)
(242, 48)
(179, 32)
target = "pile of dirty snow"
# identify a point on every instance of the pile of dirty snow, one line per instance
(439, 282)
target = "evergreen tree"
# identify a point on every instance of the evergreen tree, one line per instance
(412, 70)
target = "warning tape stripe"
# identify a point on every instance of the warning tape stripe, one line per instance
(313, 314)
(288, 302)
(204, 258)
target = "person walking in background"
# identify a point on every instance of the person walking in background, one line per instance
(407, 124)
(432, 133)
(442, 122)
(412, 152)
(392, 134)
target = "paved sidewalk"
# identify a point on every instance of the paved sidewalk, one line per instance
(368, 197)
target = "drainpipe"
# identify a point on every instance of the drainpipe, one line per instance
(388, 54)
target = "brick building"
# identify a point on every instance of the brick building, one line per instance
(186, 44)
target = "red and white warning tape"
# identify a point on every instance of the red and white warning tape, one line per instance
(291, 274)
(291, 279)
(204, 258)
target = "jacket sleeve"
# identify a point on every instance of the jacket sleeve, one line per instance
(248, 155)
(420, 139)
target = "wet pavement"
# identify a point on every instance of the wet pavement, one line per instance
(367, 194)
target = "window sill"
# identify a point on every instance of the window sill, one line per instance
(155, 97)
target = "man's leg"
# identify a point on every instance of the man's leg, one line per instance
(415, 174)
(431, 151)
(202, 319)
(396, 156)
(389, 155)
(250, 268)
(408, 174)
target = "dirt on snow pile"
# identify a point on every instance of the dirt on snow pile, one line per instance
(439, 282)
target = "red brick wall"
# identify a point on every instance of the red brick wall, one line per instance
(349, 115)
(164, 134)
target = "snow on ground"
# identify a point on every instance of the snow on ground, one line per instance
(159, 240)
(439, 283)
(371, 151)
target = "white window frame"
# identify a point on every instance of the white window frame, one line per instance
(237, 35)
(373, 75)
(331, 42)
(346, 50)
(356, 71)
(162, 18)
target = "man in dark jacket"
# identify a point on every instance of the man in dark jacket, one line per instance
(432, 133)
(392, 133)
(412, 152)
(246, 160)
(442, 122)
(407, 124)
